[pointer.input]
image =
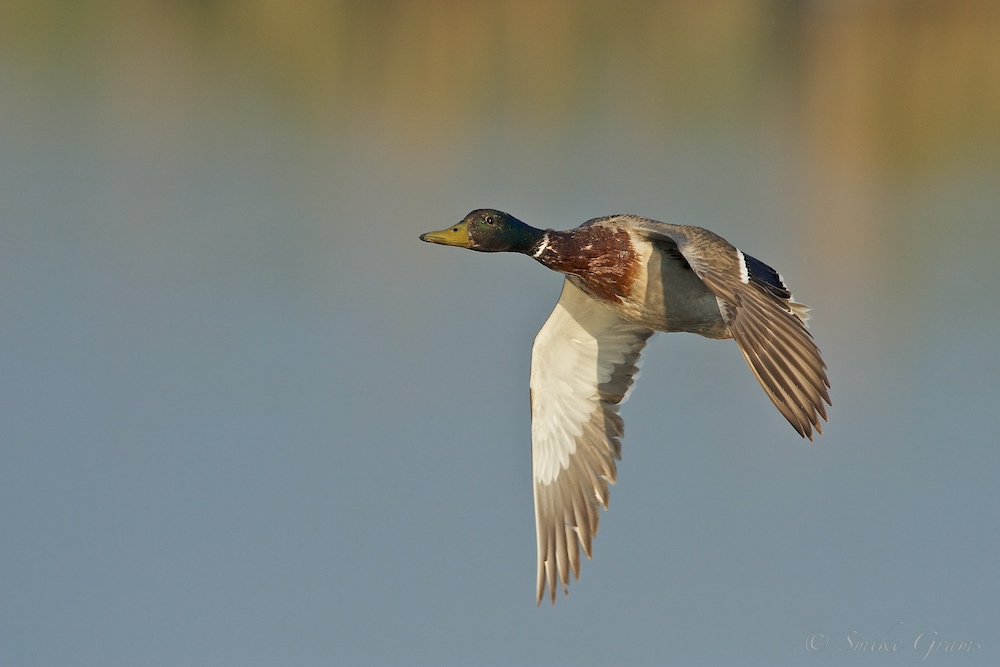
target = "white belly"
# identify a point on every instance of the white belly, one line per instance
(668, 296)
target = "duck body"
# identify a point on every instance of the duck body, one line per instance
(628, 277)
(646, 281)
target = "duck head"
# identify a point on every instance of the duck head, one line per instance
(488, 230)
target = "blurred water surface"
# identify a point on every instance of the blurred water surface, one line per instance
(249, 419)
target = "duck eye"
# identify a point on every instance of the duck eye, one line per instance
(489, 220)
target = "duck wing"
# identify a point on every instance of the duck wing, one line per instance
(768, 325)
(583, 364)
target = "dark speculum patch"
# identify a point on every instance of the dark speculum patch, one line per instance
(766, 277)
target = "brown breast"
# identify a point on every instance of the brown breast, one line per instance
(602, 257)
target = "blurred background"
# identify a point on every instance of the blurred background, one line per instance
(249, 419)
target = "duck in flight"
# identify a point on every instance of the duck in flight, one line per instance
(628, 277)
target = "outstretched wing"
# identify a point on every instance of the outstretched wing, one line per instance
(768, 325)
(583, 363)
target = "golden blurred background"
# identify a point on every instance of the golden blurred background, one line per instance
(902, 84)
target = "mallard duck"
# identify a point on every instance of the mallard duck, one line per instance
(628, 277)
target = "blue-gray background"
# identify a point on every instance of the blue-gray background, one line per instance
(248, 419)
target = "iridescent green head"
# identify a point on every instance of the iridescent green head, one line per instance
(488, 230)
